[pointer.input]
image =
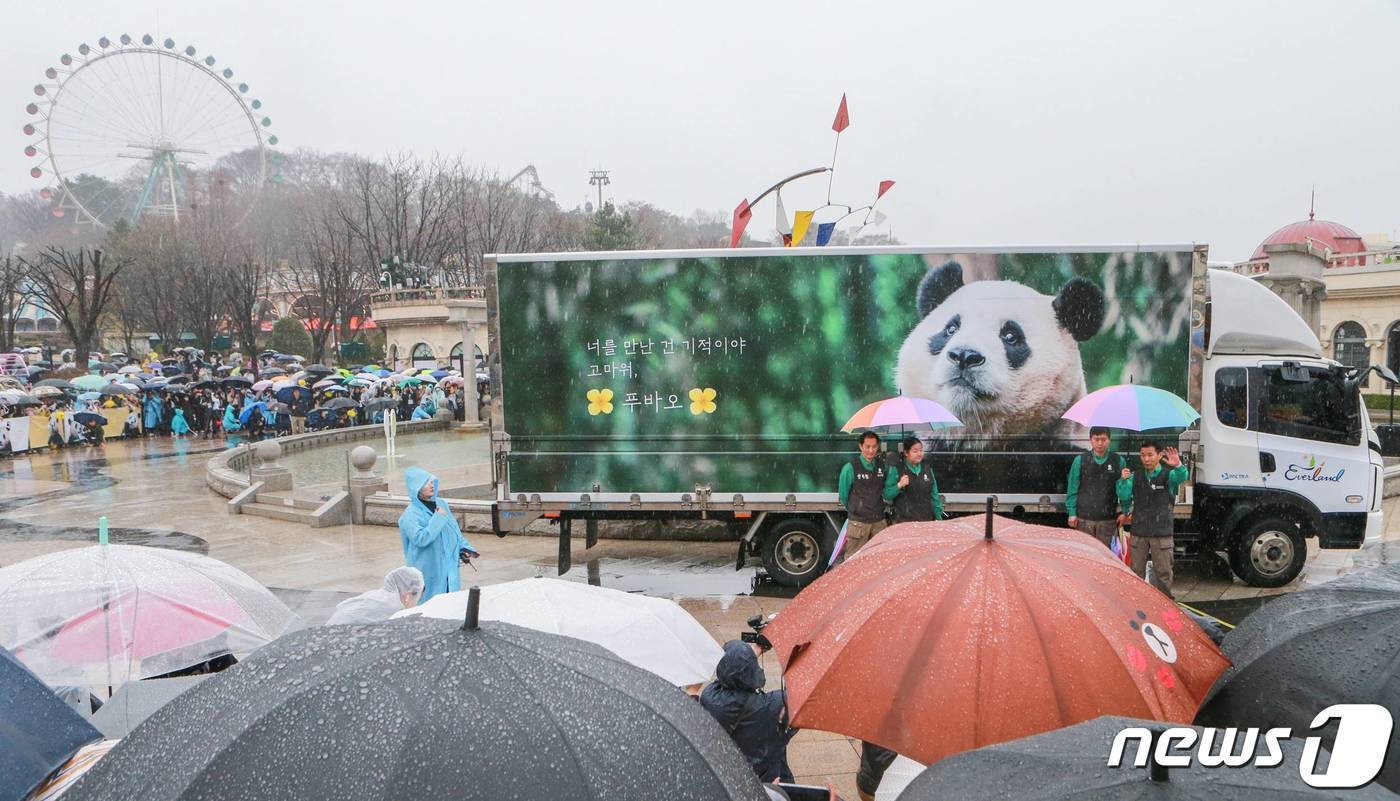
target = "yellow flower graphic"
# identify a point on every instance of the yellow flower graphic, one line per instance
(600, 401)
(702, 401)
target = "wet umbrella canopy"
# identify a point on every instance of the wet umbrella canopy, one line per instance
(38, 731)
(337, 404)
(1006, 632)
(427, 709)
(1338, 643)
(105, 614)
(1072, 763)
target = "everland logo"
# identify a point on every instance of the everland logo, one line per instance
(1312, 471)
(1358, 753)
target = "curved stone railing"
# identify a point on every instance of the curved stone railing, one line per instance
(227, 473)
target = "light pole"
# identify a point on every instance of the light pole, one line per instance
(599, 178)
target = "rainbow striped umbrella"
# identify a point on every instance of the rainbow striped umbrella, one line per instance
(901, 411)
(1132, 407)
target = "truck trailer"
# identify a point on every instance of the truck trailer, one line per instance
(714, 384)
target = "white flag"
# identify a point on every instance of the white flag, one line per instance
(784, 225)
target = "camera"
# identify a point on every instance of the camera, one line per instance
(757, 624)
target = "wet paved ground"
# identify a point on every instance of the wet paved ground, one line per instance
(153, 493)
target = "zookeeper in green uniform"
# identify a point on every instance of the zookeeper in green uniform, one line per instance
(865, 484)
(918, 488)
(1091, 500)
(1147, 495)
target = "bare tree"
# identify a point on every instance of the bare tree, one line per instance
(325, 267)
(76, 286)
(12, 296)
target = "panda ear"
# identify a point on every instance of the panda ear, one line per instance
(1079, 308)
(937, 285)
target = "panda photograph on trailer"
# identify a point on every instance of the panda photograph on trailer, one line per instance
(1008, 343)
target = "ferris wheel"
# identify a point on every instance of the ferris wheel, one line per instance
(130, 129)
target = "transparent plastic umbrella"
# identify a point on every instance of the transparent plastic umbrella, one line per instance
(654, 634)
(108, 614)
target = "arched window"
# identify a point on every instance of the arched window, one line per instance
(423, 355)
(394, 356)
(24, 324)
(48, 324)
(1349, 345)
(455, 358)
(1392, 347)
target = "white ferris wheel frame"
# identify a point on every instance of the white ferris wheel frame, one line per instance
(53, 90)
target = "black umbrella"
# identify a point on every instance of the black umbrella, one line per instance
(1337, 643)
(90, 417)
(375, 404)
(271, 372)
(279, 408)
(1072, 763)
(32, 371)
(41, 363)
(287, 357)
(169, 361)
(207, 385)
(176, 389)
(319, 369)
(237, 381)
(179, 379)
(336, 404)
(114, 389)
(427, 709)
(54, 382)
(38, 731)
(20, 399)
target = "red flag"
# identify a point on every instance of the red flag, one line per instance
(884, 187)
(742, 215)
(843, 117)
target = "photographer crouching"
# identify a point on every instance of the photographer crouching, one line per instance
(756, 720)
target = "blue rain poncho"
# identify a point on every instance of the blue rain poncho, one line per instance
(431, 541)
(422, 411)
(231, 419)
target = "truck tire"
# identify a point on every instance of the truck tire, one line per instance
(792, 552)
(1267, 551)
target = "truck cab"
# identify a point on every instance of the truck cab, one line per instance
(1286, 449)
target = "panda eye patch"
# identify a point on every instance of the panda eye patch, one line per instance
(939, 340)
(1013, 340)
(1012, 334)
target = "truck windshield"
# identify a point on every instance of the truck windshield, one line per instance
(1318, 408)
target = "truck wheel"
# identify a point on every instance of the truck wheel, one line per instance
(1268, 552)
(792, 552)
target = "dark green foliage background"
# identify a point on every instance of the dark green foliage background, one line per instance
(822, 336)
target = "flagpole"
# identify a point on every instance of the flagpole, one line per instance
(831, 176)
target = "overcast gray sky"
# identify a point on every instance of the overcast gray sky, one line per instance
(1002, 122)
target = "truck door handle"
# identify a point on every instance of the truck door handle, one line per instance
(1266, 462)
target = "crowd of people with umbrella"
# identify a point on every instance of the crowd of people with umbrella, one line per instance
(973, 657)
(188, 394)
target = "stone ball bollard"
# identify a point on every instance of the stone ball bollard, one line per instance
(267, 452)
(363, 459)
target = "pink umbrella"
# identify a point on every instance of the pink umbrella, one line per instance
(261, 385)
(903, 410)
(163, 624)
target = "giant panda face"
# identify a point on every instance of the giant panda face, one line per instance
(1001, 356)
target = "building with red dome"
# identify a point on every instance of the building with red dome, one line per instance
(1359, 323)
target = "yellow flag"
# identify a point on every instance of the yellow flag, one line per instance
(800, 223)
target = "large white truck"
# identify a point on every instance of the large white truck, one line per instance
(714, 383)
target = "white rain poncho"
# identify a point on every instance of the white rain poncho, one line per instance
(378, 605)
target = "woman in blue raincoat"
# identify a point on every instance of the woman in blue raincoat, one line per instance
(423, 411)
(231, 423)
(432, 542)
(151, 412)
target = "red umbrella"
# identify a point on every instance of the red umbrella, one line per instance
(937, 638)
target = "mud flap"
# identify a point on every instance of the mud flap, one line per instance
(590, 533)
(566, 556)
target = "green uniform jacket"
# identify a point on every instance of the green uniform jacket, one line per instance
(1125, 485)
(848, 477)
